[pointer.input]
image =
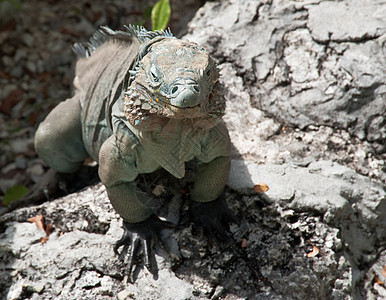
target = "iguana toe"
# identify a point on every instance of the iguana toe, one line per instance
(140, 239)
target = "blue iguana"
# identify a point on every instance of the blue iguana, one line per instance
(143, 101)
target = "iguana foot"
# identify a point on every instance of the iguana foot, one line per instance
(210, 216)
(140, 237)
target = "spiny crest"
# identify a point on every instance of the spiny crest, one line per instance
(134, 72)
(104, 34)
(101, 36)
(144, 35)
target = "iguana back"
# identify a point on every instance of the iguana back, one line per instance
(101, 75)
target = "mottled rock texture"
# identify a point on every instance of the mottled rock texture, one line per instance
(305, 82)
(305, 62)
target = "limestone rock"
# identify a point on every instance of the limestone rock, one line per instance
(305, 83)
(304, 63)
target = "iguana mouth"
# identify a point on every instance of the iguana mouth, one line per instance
(166, 101)
(180, 112)
(185, 111)
(169, 104)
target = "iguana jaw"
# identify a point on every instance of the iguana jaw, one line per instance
(185, 112)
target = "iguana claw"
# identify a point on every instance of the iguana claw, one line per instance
(140, 237)
(210, 217)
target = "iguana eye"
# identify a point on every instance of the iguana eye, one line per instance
(154, 75)
(208, 72)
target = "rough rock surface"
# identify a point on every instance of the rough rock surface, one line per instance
(306, 85)
(305, 82)
(305, 65)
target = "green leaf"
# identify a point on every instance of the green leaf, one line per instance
(14, 193)
(15, 3)
(160, 15)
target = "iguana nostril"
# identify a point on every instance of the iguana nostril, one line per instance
(186, 98)
(185, 92)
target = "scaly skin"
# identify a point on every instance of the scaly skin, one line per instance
(143, 101)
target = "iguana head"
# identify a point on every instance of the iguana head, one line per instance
(173, 79)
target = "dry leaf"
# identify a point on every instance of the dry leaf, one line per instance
(261, 188)
(70, 31)
(313, 248)
(44, 239)
(377, 280)
(13, 98)
(38, 220)
(314, 252)
(244, 243)
(33, 117)
(4, 75)
(48, 229)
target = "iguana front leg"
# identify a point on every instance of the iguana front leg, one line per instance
(117, 170)
(211, 179)
(208, 207)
